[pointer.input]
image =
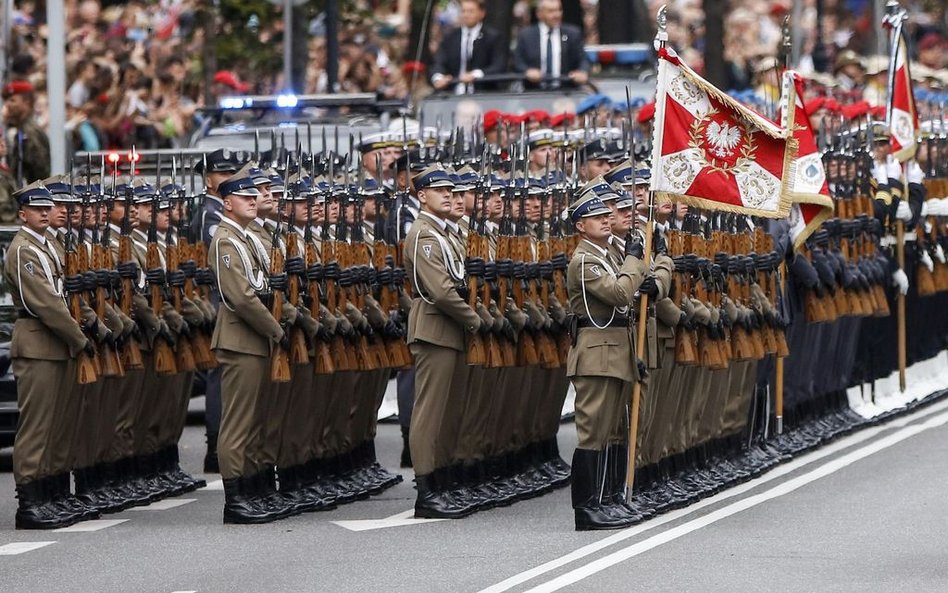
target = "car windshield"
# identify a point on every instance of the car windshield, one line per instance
(240, 136)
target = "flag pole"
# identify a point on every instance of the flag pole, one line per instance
(660, 38)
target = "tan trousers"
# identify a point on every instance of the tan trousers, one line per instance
(438, 372)
(245, 383)
(601, 404)
(43, 387)
(128, 395)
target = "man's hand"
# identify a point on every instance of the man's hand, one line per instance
(533, 74)
(578, 77)
(467, 78)
(442, 82)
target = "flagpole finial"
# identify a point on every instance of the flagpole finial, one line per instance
(661, 37)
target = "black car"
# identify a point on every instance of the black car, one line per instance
(8, 411)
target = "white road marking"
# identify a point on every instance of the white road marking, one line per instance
(787, 487)
(213, 485)
(164, 505)
(21, 547)
(184, 592)
(402, 519)
(85, 526)
(778, 472)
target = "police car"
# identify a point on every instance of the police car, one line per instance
(317, 122)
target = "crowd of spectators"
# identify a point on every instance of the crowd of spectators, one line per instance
(135, 73)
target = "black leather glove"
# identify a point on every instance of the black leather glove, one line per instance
(115, 280)
(462, 289)
(546, 270)
(189, 268)
(73, 284)
(177, 278)
(102, 278)
(643, 370)
(685, 323)
(204, 277)
(128, 270)
(474, 266)
(505, 268)
(284, 340)
(634, 248)
(279, 282)
(331, 271)
(560, 262)
(295, 265)
(507, 331)
(346, 278)
(649, 287)
(681, 264)
(659, 246)
(315, 273)
(89, 348)
(89, 281)
(155, 277)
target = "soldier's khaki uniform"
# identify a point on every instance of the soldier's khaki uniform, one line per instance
(242, 340)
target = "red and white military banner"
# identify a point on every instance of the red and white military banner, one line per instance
(901, 114)
(712, 152)
(809, 189)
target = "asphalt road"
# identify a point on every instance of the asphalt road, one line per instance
(866, 513)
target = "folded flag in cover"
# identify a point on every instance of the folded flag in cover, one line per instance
(712, 152)
(809, 190)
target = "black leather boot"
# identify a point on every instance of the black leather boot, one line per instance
(587, 484)
(433, 503)
(239, 504)
(91, 491)
(188, 482)
(35, 509)
(292, 491)
(211, 464)
(128, 473)
(385, 477)
(62, 500)
(314, 480)
(406, 449)
(615, 485)
(268, 496)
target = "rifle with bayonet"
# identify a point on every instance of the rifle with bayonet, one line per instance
(280, 358)
(86, 371)
(155, 276)
(185, 359)
(103, 268)
(295, 266)
(204, 357)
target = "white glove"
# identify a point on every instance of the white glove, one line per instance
(900, 280)
(927, 260)
(940, 254)
(893, 168)
(903, 211)
(913, 173)
(878, 173)
(924, 212)
(931, 208)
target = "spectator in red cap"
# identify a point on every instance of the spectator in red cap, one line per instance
(226, 83)
(558, 120)
(536, 119)
(931, 51)
(28, 145)
(855, 110)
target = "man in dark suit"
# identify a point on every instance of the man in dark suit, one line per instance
(468, 52)
(551, 49)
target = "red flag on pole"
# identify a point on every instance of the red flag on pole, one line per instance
(809, 189)
(901, 115)
(712, 152)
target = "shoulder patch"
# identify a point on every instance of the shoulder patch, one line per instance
(29, 267)
(427, 250)
(595, 270)
(226, 260)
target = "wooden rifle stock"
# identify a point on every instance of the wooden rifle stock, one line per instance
(164, 357)
(298, 351)
(85, 365)
(323, 363)
(204, 357)
(184, 353)
(111, 360)
(131, 351)
(280, 361)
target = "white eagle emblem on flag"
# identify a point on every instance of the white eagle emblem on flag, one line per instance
(723, 139)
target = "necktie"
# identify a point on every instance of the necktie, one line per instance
(549, 53)
(464, 52)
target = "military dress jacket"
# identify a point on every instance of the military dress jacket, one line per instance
(601, 292)
(438, 314)
(44, 330)
(244, 324)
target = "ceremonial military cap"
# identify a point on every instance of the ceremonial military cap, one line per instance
(465, 179)
(240, 183)
(301, 186)
(496, 182)
(257, 174)
(622, 174)
(601, 188)
(846, 58)
(221, 160)
(560, 118)
(541, 137)
(432, 176)
(60, 190)
(276, 182)
(370, 187)
(413, 157)
(598, 149)
(592, 102)
(877, 65)
(35, 195)
(587, 204)
(646, 113)
(643, 176)
(376, 141)
(536, 115)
